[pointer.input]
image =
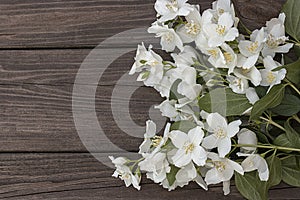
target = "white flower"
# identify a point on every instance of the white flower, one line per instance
(221, 6)
(189, 173)
(219, 57)
(118, 161)
(270, 78)
(221, 32)
(167, 108)
(247, 137)
(150, 64)
(256, 162)
(156, 166)
(253, 161)
(188, 86)
(150, 133)
(222, 171)
(170, 9)
(238, 85)
(230, 58)
(176, 112)
(216, 57)
(252, 95)
(276, 38)
(189, 148)
(169, 38)
(185, 59)
(222, 132)
(251, 49)
(124, 173)
(190, 31)
(168, 79)
(246, 69)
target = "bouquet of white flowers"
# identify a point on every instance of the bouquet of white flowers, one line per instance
(232, 100)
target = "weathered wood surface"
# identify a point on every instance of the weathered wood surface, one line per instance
(42, 45)
(80, 176)
(86, 23)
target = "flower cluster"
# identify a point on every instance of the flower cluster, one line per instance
(208, 53)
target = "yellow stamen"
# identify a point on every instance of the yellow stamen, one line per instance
(253, 47)
(271, 77)
(220, 166)
(173, 5)
(245, 71)
(189, 148)
(169, 37)
(156, 141)
(220, 133)
(213, 53)
(221, 11)
(192, 28)
(220, 29)
(228, 57)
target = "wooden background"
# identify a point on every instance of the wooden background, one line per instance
(42, 44)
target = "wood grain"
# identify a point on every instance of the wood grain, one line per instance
(42, 46)
(80, 176)
(59, 67)
(39, 117)
(84, 24)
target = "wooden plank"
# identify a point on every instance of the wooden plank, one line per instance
(80, 176)
(36, 99)
(78, 23)
(59, 67)
(40, 118)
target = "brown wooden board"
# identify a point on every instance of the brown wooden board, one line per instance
(79, 23)
(80, 176)
(42, 46)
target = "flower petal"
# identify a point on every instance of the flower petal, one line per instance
(196, 135)
(210, 142)
(199, 156)
(224, 147)
(216, 121)
(233, 128)
(212, 177)
(237, 167)
(187, 173)
(181, 159)
(226, 187)
(178, 138)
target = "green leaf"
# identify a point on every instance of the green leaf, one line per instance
(293, 71)
(250, 186)
(183, 126)
(283, 141)
(297, 50)
(172, 175)
(262, 137)
(174, 95)
(292, 22)
(275, 175)
(225, 102)
(270, 100)
(261, 91)
(291, 171)
(292, 135)
(289, 106)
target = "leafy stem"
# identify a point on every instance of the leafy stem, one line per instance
(270, 121)
(269, 146)
(292, 85)
(295, 117)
